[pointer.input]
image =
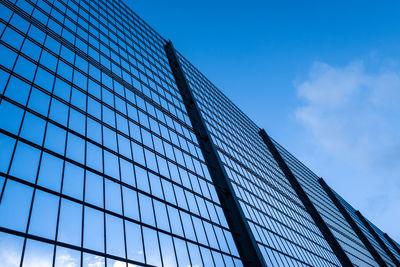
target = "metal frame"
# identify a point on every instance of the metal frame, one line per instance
(320, 223)
(241, 232)
(352, 223)
(390, 240)
(377, 238)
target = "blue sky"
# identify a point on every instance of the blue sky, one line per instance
(322, 77)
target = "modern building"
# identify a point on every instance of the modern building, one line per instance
(116, 151)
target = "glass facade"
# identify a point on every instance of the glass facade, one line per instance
(283, 229)
(100, 164)
(371, 239)
(354, 248)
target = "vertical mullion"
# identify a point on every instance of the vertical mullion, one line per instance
(352, 223)
(247, 246)
(309, 206)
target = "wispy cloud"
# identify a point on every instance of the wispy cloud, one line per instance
(352, 117)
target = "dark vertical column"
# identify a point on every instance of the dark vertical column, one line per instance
(392, 243)
(377, 238)
(352, 223)
(241, 232)
(320, 223)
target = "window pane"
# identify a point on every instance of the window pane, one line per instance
(134, 244)
(6, 149)
(94, 157)
(10, 249)
(70, 222)
(93, 235)
(127, 174)
(115, 236)
(131, 209)
(55, 139)
(73, 181)
(182, 254)
(15, 205)
(94, 189)
(50, 172)
(25, 162)
(76, 148)
(146, 209)
(151, 247)
(67, 257)
(18, 90)
(12, 121)
(38, 254)
(167, 250)
(90, 260)
(33, 128)
(111, 166)
(39, 102)
(44, 215)
(113, 196)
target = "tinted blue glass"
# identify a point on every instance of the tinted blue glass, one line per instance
(38, 254)
(127, 174)
(59, 112)
(9, 57)
(44, 215)
(93, 235)
(134, 244)
(70, 222)
(12, 38)
(182, 254)
(18, 90)
(151, 247)
(146, 209)
(50, 172)
(90, 260)
(31, 49)
(167, 250)
(33, 128)
(73, 181)
(115, 236)
(67, 257)
(62, 89)
(19, 23)
(39, 102)
(25, 162)
(94, 189)
(5, 12)
(14, 206)
(131, 208)
(25, 68)
(44, 79)
(55, 139)
(113, 196)
(94, 130)
(6, 149)
(77, 121)
(75, 148)
(10, 249)
(94, 157)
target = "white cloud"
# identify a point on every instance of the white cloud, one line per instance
(352, 117)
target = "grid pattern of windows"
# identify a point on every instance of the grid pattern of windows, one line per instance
(368, 235)
(381, 236)
(283, 229)
(342, 231)
(99, 165)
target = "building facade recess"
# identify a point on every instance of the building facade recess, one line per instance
(106, 161)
